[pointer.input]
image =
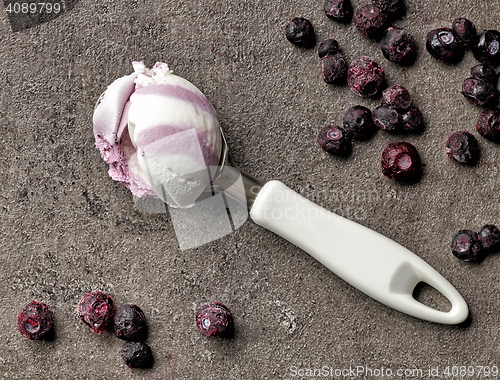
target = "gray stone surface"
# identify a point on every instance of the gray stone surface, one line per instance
(67, 228)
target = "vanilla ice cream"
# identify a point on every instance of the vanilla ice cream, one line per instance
(159, 134)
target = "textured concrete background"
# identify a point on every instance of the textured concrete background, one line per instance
(68, 229)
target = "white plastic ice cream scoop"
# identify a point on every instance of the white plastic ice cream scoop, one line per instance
(371, 262)
(161, 137)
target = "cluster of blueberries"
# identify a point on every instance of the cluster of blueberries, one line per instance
(365, 77)
(96, 309)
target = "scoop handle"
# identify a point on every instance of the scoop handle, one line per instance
(371, 262)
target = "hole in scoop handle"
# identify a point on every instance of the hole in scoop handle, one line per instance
(371, 262)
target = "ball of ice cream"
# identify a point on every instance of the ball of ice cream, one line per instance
(159, 134)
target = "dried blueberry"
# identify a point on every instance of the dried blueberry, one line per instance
(463, 148)
(391, 6)
(365, 76)
(488, 125)
(130, 323)
(338, 10)
(490, 237)
(483, 71)
(466, 245)
(396, 96)
(214, 320)
(487, 47)
(370, 21)
(401, 162)
(329, 46)
(479, 92)
(299, 31)
(443, 45)
(398, 46)
(334, 68)
(96, 309)
(465, 31)
(388, 119)
(358, 122)
(335, 140)
(137, 355)
(35, 321)
(412, 120)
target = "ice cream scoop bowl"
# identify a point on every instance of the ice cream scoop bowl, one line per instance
(371, 262)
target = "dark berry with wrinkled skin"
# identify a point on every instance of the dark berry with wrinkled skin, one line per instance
(479, 92)
(370, 21)
(483, 71)
(358, 122)
(388, 119)
(490, 237)
(329, 46)
(365, 76)
(444, 46)
(466, 245)
(214, 320)
(391, 6)
(35, 321)
(401, 162)
(412, 120)
(396, 96)
(299, 31)
(334, 68)
(465, 31)
(96, 309)
(487, 47)
(338, 10)
(398, 46)
(334, 140)
(130, 323)
(137, 355)
(463, 148)
(488, 125)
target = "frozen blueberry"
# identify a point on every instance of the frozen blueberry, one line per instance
(358, 122)
(401, 162)
(130, 323)
(443, 45)
(490, 237)
(338, 10)
(96, 309)
(496, 83)
(299, 31)
(396, 96)
(488, 125)
(137, 355)
(463, 148)
(464, 30)
(479, 92)
(388, 119)
(487, 47)
(394, 7)
(334, 68)
(335, 140)
(214, 320)
(483, 71)
(329, 46)
(466, 245)
(365, 76)
(398, 46)
(412, 120)
(370, 21)
(35, 321)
